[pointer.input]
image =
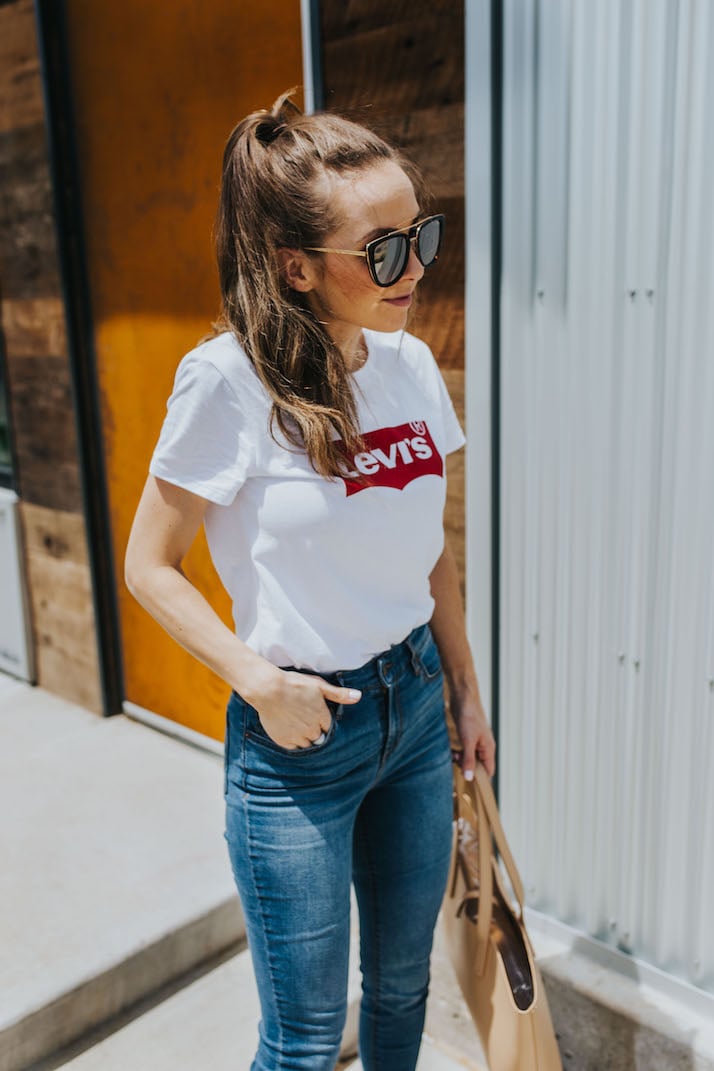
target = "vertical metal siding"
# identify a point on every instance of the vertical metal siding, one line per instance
(607, 645)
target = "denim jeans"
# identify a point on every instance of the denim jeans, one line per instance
(370, 805)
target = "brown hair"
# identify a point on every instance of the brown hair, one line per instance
(271, 197)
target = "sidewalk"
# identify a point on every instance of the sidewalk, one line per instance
(115, 877)
(121, 932)
(122, 937)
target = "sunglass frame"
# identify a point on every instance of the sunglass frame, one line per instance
(409, 235)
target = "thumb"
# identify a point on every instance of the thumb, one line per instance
(340, 695)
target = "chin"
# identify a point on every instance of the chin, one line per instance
(392, 319)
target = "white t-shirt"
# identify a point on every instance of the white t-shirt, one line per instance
(323, 574)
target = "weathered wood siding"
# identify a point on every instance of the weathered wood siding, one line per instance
(399, 68)
(40, 395)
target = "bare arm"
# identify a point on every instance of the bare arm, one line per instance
(448, 626)
(292, 705)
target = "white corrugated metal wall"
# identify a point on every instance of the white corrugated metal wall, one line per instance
(607, 470)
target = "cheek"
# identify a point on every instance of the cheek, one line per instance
(353, 281)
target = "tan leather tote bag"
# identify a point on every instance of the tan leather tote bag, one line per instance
(487, 939)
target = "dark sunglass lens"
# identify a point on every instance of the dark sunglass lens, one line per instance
(389, 257)
(429, 241)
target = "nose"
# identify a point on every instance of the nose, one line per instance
(414, 269)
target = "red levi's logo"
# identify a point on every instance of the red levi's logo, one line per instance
(393, 457)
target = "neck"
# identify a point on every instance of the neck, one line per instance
(347, 337)
(356, 355)
(351, 343)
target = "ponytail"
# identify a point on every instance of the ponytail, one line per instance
(270, 199)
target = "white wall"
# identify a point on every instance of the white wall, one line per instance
(607, 478)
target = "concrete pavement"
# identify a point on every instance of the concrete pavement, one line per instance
(122, 941)
(115, 877)
(121, 932)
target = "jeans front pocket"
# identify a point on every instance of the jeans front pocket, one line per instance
(255, 732)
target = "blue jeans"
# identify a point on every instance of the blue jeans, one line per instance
(371, 805)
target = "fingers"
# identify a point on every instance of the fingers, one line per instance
(314, 735)
(478, 748)
(317, 730)
(338, 694)
(307, 683)
(334, 694)
(488, 758)
(304, 718)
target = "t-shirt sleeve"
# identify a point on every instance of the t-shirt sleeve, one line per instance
(205, 444)
(454, 437)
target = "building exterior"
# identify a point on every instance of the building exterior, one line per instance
(602, 387)
(115, 119)
(585, 213)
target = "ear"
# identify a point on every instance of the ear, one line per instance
(297, 270)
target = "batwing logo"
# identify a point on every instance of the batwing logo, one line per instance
(393, 457)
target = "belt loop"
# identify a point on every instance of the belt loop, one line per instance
(385, 669)
(416, 661)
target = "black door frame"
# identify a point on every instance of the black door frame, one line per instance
(65, 175)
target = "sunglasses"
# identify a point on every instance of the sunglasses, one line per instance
(388, 256)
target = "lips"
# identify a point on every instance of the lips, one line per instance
(402, 302)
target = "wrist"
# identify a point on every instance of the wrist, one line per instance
(465, 701)
(463, 685)
(256, 680)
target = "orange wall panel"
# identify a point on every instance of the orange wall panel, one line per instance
(156, 90)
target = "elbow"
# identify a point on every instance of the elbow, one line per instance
(144, 580)
(136, 575)
(133, 580)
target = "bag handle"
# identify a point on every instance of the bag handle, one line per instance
(467, 800)
(485, 791)
(478, 798)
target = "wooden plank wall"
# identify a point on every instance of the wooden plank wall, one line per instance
(399, 68)
(39, 385)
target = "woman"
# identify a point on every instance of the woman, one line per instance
(309, 436)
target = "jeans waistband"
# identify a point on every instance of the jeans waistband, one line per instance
(386, 667)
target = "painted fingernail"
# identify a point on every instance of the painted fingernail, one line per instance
(468, 775)
(354, 693)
